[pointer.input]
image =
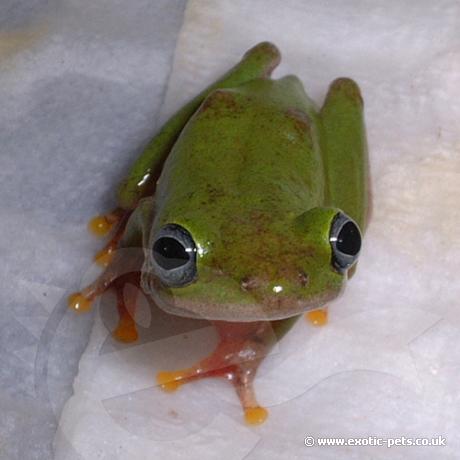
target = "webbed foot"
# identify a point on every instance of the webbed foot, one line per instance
(241, 348)
(122, 266)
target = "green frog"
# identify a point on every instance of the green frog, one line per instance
(246, 209)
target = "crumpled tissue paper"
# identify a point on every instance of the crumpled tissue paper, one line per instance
(387, 364)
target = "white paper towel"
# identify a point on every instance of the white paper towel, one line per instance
(388, 362)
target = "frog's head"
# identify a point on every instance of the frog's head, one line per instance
(250, 268)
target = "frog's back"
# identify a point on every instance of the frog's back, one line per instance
(254, 147)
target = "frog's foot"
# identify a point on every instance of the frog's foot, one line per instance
(126, 304)
(102, 225)
(124, 268)
(105, 255)
(81, 301)
(317, 317)
(241, 348)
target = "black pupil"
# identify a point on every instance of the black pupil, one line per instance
(349, 239)
(170, 253)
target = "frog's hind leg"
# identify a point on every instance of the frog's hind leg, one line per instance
(344, 149)
(258, 62)
(241, 348)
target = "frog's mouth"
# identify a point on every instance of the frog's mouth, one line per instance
(270, 308)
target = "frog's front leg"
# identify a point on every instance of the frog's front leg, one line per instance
(126, 262)
(122, 269)
(241, 348)
(102, 225)
(126, 288)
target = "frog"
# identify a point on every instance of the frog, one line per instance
(246, 209)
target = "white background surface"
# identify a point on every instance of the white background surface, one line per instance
(388, 362)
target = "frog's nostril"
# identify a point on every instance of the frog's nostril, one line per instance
(303, 279)
(249, 282)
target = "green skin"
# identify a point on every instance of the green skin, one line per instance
(256, 174)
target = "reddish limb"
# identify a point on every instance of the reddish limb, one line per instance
(241, 348)
(122, 270)
(118, 219)
(126, 304)
(119, 262)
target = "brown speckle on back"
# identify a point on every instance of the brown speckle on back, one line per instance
(300, 119)
(220, 99)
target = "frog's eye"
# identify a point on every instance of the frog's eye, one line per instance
(345, 239)
(174, 256)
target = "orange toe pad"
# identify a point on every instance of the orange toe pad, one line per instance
(79, 302)
(100, 225)
(317, 317)
(255, 415)
(170, 380)
(125, 333)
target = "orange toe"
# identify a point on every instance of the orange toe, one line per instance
(126, 333)
(100, 225)
(170, 380)
(104, 257)
(79, 302)
(255, 415)
(317, 317)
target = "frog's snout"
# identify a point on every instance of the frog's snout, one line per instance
(250, 283)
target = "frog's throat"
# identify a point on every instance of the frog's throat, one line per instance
(273, 307)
